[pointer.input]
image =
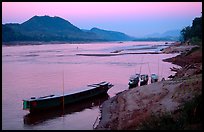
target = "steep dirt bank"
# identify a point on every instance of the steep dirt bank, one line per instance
(187, 57)
(133, 108)
(189, 60)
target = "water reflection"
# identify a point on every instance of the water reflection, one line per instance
(36, 118)
(24, 76)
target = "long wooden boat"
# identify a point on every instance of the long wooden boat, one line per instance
(44, 103)
(40, 117)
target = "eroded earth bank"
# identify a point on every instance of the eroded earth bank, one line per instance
(168, 104)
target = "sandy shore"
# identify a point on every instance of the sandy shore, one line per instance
(115, 54)
(131, 108)
(122, 52)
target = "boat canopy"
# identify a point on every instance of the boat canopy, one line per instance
(144, 77)
(134, 76)
(154, 76)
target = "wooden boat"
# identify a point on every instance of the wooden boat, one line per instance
(154, 78)
(143, 79)
(134, 80)
(38, 118)
(44, 103)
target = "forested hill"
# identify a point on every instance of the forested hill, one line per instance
(46, 28)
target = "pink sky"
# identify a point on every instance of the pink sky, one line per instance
(116, 16)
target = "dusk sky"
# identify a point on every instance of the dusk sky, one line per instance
(133, 18)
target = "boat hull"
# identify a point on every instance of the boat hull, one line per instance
(143, 83)
(154, 80)
(132, 85)
(39, 117)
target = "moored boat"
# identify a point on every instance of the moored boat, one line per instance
(154, 78)
(40, 117)
(34, 104)
(134, 80)
(143, 79)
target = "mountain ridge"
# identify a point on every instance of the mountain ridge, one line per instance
(169, 33)
(46, 28)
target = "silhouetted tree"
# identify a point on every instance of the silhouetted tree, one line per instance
(196, 29)
(186, 33)
(194, 32)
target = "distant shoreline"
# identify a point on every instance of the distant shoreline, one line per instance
(44, 43)
(57, 42)
(23, 43)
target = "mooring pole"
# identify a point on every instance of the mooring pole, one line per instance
(63, 95)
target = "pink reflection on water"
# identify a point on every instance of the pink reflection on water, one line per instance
(25, 75)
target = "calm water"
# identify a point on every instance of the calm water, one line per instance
(37, 70)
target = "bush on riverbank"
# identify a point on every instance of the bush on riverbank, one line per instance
(186, 118)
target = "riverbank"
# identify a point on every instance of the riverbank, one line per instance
(161, 105)
(20, 43)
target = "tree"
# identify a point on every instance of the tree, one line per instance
(186, 33)
(194, 32)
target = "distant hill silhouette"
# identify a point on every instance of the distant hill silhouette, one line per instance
(170, 35)
(46, 28)
(111, 35)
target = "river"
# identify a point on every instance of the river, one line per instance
(37, 70)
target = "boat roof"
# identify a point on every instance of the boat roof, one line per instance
(143, 75)
(134, 76)
(83, 89)
(154, 75)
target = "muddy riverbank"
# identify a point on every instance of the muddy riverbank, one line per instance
(135, 108)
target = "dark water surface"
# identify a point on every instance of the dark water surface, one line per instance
(37, 70)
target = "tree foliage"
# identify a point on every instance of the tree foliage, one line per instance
(194, 32)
